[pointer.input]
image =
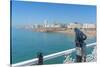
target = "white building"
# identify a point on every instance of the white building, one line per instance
(89, 26)
(45, 23)
(36, 25)
(74, 25)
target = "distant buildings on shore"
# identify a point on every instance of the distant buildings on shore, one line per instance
(47, 25)
(61, 25)
(81, 26)
(89, 26)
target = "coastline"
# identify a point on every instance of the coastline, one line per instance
(89, 33)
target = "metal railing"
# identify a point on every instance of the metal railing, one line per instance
(48, 57)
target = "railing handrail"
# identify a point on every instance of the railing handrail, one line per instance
(50, 56)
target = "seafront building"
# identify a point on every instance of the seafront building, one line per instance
(54, 25)
(71, 25)
(89, 26)
(74, 25)
(59, 26)
(81, 26)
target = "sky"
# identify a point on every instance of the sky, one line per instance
(36, 12)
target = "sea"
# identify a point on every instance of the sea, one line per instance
(26, 44)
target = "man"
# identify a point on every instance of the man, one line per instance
(80, 45)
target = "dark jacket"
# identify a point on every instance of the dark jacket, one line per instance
(79, 36)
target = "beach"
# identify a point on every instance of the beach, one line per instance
(89, 33)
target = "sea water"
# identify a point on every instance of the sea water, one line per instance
(25, 44)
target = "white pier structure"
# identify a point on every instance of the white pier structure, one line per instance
(50, 56)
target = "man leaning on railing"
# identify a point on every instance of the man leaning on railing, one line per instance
(80, 37)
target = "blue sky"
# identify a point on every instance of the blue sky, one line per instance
(36, 13)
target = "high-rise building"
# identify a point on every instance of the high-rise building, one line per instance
(45, 23)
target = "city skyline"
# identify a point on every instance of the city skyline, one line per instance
(36, 13)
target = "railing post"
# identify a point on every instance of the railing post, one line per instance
(80, 45)
(40, 58)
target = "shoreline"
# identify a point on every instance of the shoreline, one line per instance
(89, 33)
